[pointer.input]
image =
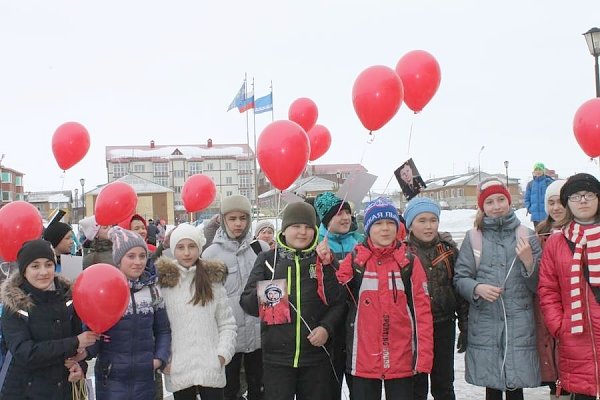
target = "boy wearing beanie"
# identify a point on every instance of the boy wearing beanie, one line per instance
(232, 246)
(535, 192)
(390, 311)
(437, 253)
(296, 355)
(140, 342)
(60, 236)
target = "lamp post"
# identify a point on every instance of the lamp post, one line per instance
(479, 162)
(82, 182)
(338, 175)
(76, 203)
(506, 169)
(592, 37)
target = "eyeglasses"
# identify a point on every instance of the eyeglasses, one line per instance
(589, 196)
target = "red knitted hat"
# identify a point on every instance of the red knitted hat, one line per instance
(489, 187)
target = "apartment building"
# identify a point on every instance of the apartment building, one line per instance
(11, 185)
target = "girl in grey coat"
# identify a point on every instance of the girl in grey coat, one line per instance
(233, 245)
(497, 272)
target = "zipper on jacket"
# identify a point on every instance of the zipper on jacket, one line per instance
(298, 310)
(134, 336)
(587, 306)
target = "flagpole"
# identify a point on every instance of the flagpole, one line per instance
(247, 118)
(255, 156)
(272, 104)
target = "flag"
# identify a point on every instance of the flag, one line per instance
(263, 104)
(246, 103)
(240, 96)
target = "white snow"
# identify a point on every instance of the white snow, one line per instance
(187, 151)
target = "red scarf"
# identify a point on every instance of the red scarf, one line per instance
(587, 250)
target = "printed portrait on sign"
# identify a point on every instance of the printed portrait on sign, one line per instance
(273, 302)
(409, 179)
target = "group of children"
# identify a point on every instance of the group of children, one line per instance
(322, 301)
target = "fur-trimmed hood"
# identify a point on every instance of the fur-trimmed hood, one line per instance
(168, 271)
(14, 297)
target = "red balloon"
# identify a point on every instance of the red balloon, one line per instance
(320, 141)
(586, 126)
(304, 112)
(19, 223)
(198, 192)
(101, 296)
(282, 151)
(116, 201)
(421, 75)
(70, 143)
(377, 95)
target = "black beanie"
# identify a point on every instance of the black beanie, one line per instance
(32, 250)
(55, 232)
(298, 213)
(578, 183)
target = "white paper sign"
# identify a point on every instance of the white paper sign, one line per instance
(71, 266)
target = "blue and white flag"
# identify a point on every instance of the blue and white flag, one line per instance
(263, 104)
(239, 97)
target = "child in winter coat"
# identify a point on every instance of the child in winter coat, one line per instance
(296, 354)
(60, 235)
(569, 291)
(202, 323)
(437, 253)
(140, 342)
(499, 280)
(390, 328)
(40, 329)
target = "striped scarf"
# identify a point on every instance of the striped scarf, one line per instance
(587, 250)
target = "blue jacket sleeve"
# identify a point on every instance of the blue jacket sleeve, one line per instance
(527, 199)
(162, 334)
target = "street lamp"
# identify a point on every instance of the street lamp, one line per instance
(82, 182)
(76, 203)
(338, 175)
(592, 37)
(506, 169)
(479, 162)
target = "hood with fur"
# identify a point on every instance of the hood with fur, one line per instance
(14, 298)
(168, 272)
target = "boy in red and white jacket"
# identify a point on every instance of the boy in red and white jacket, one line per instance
(389, 325)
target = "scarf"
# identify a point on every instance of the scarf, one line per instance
(587, 252)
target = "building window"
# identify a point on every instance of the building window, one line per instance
(177, 189)
(119, 170)
(20, 196)
(19, 181)
(178, 173)
(161, 169)
(228, 180)
(195, 167)
(461, 192)
(6, 196)
(209, 166)
(161, 180)
(229, 193)
(228, 166)
(245, 193)
(139, 168)
(244, 166)
(244, 180)
(453, 193)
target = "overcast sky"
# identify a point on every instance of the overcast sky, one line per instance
(513, 75)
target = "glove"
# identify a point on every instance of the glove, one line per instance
(461, 344)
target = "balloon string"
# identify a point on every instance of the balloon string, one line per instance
(410, 134)
(276, 230)
(62, 186)
(388, 183)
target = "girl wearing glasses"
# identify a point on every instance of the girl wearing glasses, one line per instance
(569, 288)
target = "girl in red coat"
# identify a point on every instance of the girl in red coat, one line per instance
(390, 327)
(569, 288)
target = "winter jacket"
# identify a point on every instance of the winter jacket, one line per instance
(341, 244)
(579, 361)
(200, 333)
(239, 259)
(438, 258)
(312, 289)
(100, 252)
(40, 329)
(123, 368)
(534, 197)
(489, 348)
(389, 326)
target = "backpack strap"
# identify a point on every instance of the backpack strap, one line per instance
(476, 240)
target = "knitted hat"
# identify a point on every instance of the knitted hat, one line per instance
(328, 205)
(298, 213)
(378, 209)
(55, 232)
(577, 183)
(553, 190)
(124, 240)
(263, 225)
(32, 250)
(539, 165)
(420, 205)
(236, 202)
(89, 227)
(187, 231)
(489, 187)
